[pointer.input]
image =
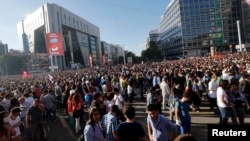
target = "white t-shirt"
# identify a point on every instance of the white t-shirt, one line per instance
(212, 87)
(129, 89)
(13, 122)
(220, 93)
(118, 100)
(109, 104)
(30, 100)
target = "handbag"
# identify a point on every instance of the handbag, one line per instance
(72, 122)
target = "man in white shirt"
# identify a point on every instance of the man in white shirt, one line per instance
(118, 100)
(156, 79)
(24, 106)
(165, 91)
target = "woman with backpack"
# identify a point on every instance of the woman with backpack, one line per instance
(77, 104)
(93, 130)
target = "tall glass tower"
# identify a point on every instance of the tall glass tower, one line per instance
(192, 27)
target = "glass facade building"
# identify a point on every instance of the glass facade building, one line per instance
(192, 27)
(246, 21)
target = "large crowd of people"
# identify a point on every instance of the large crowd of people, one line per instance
(108, 94)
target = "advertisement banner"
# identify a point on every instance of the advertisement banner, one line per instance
(90, 61)
(54, 44)
(104, 59)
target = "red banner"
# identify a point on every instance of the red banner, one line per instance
(104, 59)
(54, 43)
(90, 61)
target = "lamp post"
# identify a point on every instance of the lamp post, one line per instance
(239, 34)
(124, 60)
(6, 67)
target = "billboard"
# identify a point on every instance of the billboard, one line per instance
(104, 59)
(90, 60)
(54, 43)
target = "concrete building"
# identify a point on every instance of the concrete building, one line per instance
(80, 38)
(193, 27)
(3, 48)
(112, 53)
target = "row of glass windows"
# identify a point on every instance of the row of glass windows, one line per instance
(75, 22)
(172, 47)
(191, 34)
(188, 2)
(35, 20)
(195, 1)
(208, 5)
(209, 14)
(197, 26)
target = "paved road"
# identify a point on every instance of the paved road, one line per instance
(61, 131)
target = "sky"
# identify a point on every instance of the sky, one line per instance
(123, 22)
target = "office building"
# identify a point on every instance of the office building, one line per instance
(79, 40)
(246, 20)
(193, 27)
(3, 48)
(153, 38)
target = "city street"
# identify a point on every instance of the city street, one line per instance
(61, 130)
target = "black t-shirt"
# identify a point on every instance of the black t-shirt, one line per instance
(131, 131)
(238, 102)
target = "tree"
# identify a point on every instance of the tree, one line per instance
(11, 64)
(152, 54)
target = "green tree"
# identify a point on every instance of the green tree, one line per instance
(152, 54)
(11, 64)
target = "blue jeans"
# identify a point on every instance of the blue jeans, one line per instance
(224, 114)
(141, 91)
(185, 127)
(124, 94)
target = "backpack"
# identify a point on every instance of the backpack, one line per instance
(88, 99)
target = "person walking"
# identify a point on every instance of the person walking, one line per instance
(110, 123)
(93, 130)
(182, 116)
(130, 130)
(15, 123)
(158, 125)
(50, 106)
(212, 95)
(34, 121)
(173, 99)
(58, 94)
(77, 104)
(165, 90)
(223, 101)
(240, 102)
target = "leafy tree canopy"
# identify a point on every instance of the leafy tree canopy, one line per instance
(11, 64)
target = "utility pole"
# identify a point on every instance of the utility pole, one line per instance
(239, 34)
(124, 57)
(6, 67)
